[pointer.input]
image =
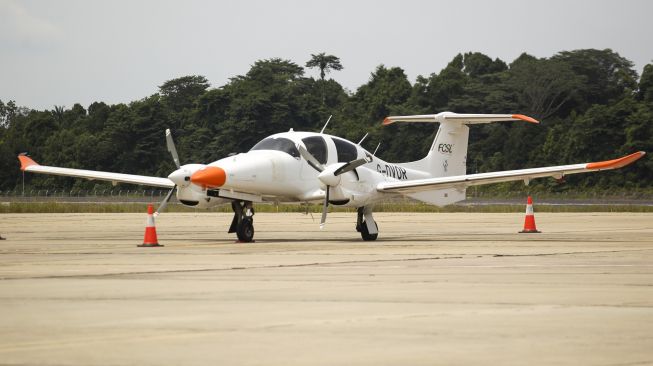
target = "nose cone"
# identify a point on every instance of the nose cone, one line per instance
(328, 178)
(209, 177)
(180, 177)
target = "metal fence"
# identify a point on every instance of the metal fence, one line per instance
(83, 195)
(156, 195)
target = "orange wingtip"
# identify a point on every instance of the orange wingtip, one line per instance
(26, 161)
(616, 163)
(387, 121)
(525, 118)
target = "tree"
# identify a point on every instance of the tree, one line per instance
(477, 64)
(182, 92)
(433, 94)
(606, 75)
(325, 63)
(543, 86)
(646, 84)
(7, 111)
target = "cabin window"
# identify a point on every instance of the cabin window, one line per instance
(277, 144)
(346, 151)
(317, 147)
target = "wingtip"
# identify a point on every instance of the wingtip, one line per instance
(25, 161)
(525, 118)
(386, 121)
(616, 163)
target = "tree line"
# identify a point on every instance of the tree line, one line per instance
(591, 103)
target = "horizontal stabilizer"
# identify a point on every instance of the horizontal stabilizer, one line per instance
(459, 117)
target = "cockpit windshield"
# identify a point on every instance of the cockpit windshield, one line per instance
(277, 144)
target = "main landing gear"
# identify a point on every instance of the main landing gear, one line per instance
(243, 222)
(366, 225)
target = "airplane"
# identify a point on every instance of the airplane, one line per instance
(298, 166)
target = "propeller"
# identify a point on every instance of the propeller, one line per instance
(173, 151)
(171, 148)
(310, 159)
(330, 175)
(325, 208)
(351, 166)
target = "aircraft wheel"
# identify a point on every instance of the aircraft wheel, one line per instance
(245, 231)
(365, 234)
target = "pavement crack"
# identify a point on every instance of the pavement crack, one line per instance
(569, 253)
(105, 275)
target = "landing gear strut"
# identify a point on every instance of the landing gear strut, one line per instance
(243, 222)
(366, 225)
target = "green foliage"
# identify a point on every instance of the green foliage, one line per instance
(180, 93)
(606, 76)
(543, 86)
(325, 63)
(590, 102)
(646, 84)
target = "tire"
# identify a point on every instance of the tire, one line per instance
(365, 234)
(245, 230)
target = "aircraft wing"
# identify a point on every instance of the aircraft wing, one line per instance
(29, 165)
(463, 181)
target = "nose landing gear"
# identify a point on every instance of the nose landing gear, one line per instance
(243, 221)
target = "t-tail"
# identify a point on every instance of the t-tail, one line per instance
(448, 153)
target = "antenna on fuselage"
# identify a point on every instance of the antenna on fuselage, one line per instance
(327, 122)
(377, 147)
(363, 139)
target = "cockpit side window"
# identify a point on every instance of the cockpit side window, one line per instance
(277, 144)
(346, 151)
(317, 147)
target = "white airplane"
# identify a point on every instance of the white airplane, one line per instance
(307, 166)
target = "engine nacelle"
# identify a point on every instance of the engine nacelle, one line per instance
(190, 194)
(193, 196)
(356, 188)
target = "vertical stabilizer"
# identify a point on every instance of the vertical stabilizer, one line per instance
(448, 154)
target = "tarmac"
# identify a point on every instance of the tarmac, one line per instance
(434, 289)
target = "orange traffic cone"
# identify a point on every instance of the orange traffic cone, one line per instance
(529, 222)
(150, 239)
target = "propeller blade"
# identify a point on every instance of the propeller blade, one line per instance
(164, 203)
(325, 208)
(310, 159)
(171, 147)
(350, 166)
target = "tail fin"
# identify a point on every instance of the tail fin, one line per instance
(448, 153)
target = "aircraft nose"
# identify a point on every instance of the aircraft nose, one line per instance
(210, 176)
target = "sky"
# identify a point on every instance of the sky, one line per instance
(81, 51)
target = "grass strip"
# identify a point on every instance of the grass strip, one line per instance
(102, 207)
